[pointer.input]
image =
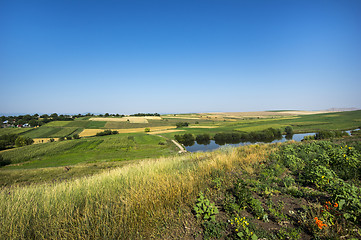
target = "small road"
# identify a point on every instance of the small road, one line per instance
(181, 148)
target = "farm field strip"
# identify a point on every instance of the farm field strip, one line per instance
(195, 126)
(164, 131)
(43, 140)
(126, 119)
(93, 132)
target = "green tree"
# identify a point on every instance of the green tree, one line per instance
(3, 161)
(33, 123)
(289, 130)
(23, 141)
(147, 130)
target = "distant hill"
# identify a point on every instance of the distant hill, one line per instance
(342, 109)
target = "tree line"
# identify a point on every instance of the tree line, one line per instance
(267, 135)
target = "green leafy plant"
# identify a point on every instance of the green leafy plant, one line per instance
(204, 209)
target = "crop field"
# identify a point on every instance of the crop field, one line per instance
(199, 126)
(57, 124)
(164, 131)
(126, 119)
(93, 132)
(4, 131)
(262, 114)
(48, 132)
(68, 131)
(42, 132)
(89, 132)
(43, 140)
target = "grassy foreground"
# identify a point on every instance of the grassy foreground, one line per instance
(282, 191)
(143, 200)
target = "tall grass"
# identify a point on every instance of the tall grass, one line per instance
(134, 202)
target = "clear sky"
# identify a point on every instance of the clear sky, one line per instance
(173, 56)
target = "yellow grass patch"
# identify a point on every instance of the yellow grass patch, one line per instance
(153, 117)
(180, 117)
(93, 132)
(43, 140)
(125, 119)
(90, 132)
(165, 131)
(152, 129)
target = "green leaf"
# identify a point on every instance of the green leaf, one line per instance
(341, 203)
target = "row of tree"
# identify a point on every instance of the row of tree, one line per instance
(38, 120)
(145, 115)
(11, 140)
(34, 120)
(267, 135)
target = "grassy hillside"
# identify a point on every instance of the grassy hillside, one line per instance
(289, 191)
(90, 153)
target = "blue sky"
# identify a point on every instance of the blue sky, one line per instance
(178, 56)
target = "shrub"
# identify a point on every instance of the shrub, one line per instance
(330, 134)
(147, 130)
(23, 141)
(106, 132)
(4, 162)
(289, 130)
(76, 136)
(203, 138)
(182, 124)
(186, 139)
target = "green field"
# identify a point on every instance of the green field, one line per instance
(84, 152)
(300, 124)
(4, 131)
(119, 148)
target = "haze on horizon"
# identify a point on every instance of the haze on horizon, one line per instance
(179, 56)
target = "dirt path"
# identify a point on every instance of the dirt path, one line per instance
(182, 149)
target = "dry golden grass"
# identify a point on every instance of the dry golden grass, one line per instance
(125, 119)
(43, 140)
(164, 131)
(93, 132)
(138, 201)
(90, 132)
(181, 117)
(153, 117)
